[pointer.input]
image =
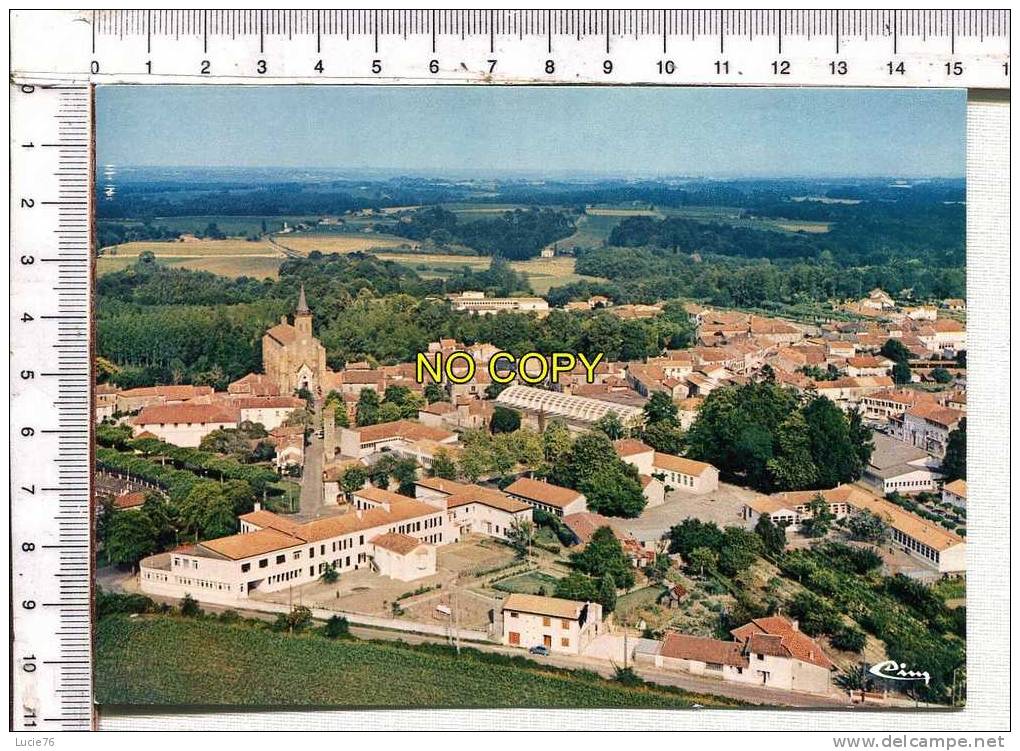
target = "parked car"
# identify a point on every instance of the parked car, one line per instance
(539, 650)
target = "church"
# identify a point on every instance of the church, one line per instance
(291, 355)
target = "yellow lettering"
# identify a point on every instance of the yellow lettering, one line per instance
(590, 366)
(562, 357)
(495, 374)
(522, 369)
(468, 374)
(433, 369)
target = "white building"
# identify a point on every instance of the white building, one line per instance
(770, 652)
(270, 411)
(183, 424)
(896, 467)
(578, 412)
(550, 498)
(955, 492)
(927, 426)
(676, 472)
(561, 626)
(928, 542)
(479, 304)
(472, 508)
(272, 553)
(361, 442)
(403, 557)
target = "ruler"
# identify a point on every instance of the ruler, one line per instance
(50, 430)
(57, 56)
(890, 48)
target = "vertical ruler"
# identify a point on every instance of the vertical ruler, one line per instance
(50, 428)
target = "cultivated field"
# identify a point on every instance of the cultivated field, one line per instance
(231, 247)
(171, 660)
(225, 257)
(341, 242)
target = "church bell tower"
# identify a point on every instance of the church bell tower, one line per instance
(303, 317)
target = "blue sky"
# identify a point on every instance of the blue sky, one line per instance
(543, 130)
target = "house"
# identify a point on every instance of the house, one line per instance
(888, 403)
(550, 498)
(130, 501)
(106, 401)
(361, 442)
(685, 475)
(290, 446)
(895, 467)
(927, 426)
(472, 508)
(184, 424)
(878, 299)
(584, 524)
(254, 384)
(955, 492)
(765, 652)
(402, 557)
(269, 411)
(272, 553)
(132, 400)
(868, 365)
(779, 654)
(561, 626)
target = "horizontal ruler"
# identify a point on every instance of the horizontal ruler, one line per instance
(892, 48)
(51, 418)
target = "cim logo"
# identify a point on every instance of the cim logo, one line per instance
(897, 671)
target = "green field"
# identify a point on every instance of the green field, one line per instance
(172, 660)
(529, 583)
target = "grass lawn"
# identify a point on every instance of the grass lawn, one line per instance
(172, 660)
(638, 599)
(528, 583)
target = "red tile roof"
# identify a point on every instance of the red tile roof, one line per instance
(542, 492)
(201, 414)
(701, 649)
(793, 642)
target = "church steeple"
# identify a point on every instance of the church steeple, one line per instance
(302, 304)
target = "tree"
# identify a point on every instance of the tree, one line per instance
(614, 490)
(577, 586)
(660, 408)
(337, 627)
(504, 420)
(895, 350)
(664, 437)
(739, 550)
(848, 639)
(443, 465)
(189, 606)
(702, 559)
(604, 555)
(521, 535)
(367, 410)
(130, 537)
(435, 393)
(329, 574)
(297, 619)
(219, 519)
(901, 373)
(835, 457)
(405, 472)
(941, 375)
(954, 463)
(607, 593)
(861, 438)
(658, 569)
(820, 518)
(352, 480)
(793, 467)
(866, 527)
(556, 442)
(773, 536)
(611, 425)
(694, 533)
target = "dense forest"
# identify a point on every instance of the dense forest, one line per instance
(163, 325)
(517, 235)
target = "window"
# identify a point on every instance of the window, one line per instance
(564, 623)
(297, 554)
(546, 621)
(564, 642)
(311, 552)
(245, 567)
(281, 558)
(515, 638)
(513, 614)
(263, 563)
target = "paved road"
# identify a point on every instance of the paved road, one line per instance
(311, 476)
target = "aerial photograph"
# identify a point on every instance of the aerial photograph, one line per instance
(530, 396)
